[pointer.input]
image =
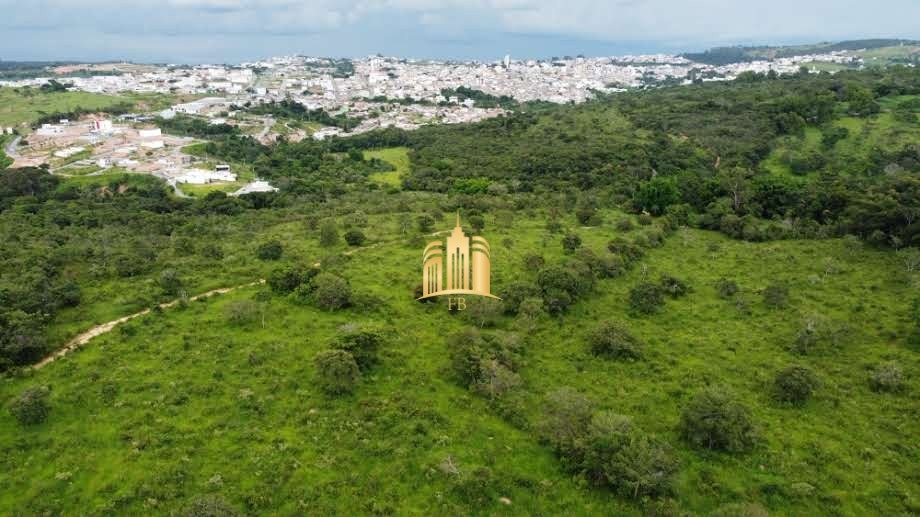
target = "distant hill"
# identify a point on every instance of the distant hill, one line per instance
(738, 54)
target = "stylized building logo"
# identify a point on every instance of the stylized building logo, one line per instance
(457, 266)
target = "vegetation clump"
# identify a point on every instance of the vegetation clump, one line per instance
(270, 250)
(337, 372)
(31, 407)
(611, 339)
(646, 298)
(794, 385)
(713, 419)
(887, 377)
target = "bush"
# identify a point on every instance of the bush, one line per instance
(330, 291)
(31, 407)
(242, 312)
(516, 292)
(361, 342)
(776, 296)
(337, 372)
(270, 250)
(727, 288)
(469, 349)
(170, 282)
(610, 266)
(210, 505)
(212, 251)
(328, 234)
(714, 420)
(531, 308)
(571, 242)
(624, 225)
(673, 287)
(613, 340)
(628, 250)
(646, 298)
(354, 237)
(286, 279)
(566, 415)
(622, 456)
(887, 377)
(794, 385)
(645, 219)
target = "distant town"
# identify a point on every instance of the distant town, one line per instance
(350, 96)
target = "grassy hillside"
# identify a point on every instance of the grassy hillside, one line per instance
(186, 402)
(24, 105)
(398, 157)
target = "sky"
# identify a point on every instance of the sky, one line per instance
(231, 31)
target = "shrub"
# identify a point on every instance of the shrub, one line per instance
(794, 384)
(330, 291)
(337, 372)
(887, 377)
(286, 279)
(673, 287)
(31, 407)
(328, 234)
(630, 461)
(726, 288)
(776, 296)
(210, 505)
(534, 261)
(270, 250)
(628, 250)
(361, 342)
(516, 292)
(531, 308)
(571, 242)
(242, 312)
(425, 223)
(624, 225)
(354, 237)
(612, 339)
(714, 420)
(495, 379)
(170, 282)
(212, 251)
(477, 223)
(610, 266)
(566, 415)
(646, 298)
(645, 219)
(468, 349)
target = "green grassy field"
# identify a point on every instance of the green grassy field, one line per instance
(865, 136)
(395, 156)
(184, 402)
(24, 105)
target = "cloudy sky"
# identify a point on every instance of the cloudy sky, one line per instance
(196, 31)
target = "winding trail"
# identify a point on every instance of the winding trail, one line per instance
(104, 328)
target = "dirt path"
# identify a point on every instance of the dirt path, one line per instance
(103, 328)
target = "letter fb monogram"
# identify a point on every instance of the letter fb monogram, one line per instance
(456, 304)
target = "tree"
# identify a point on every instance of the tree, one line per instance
(425, 223)
(337, 372)
(328, 234)
(330, 291)
(477, 222)
(656, 195)
(31, 407)
(735, 182)
(713, 419)
(361, 342)
(270, 250)
(612, 339)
